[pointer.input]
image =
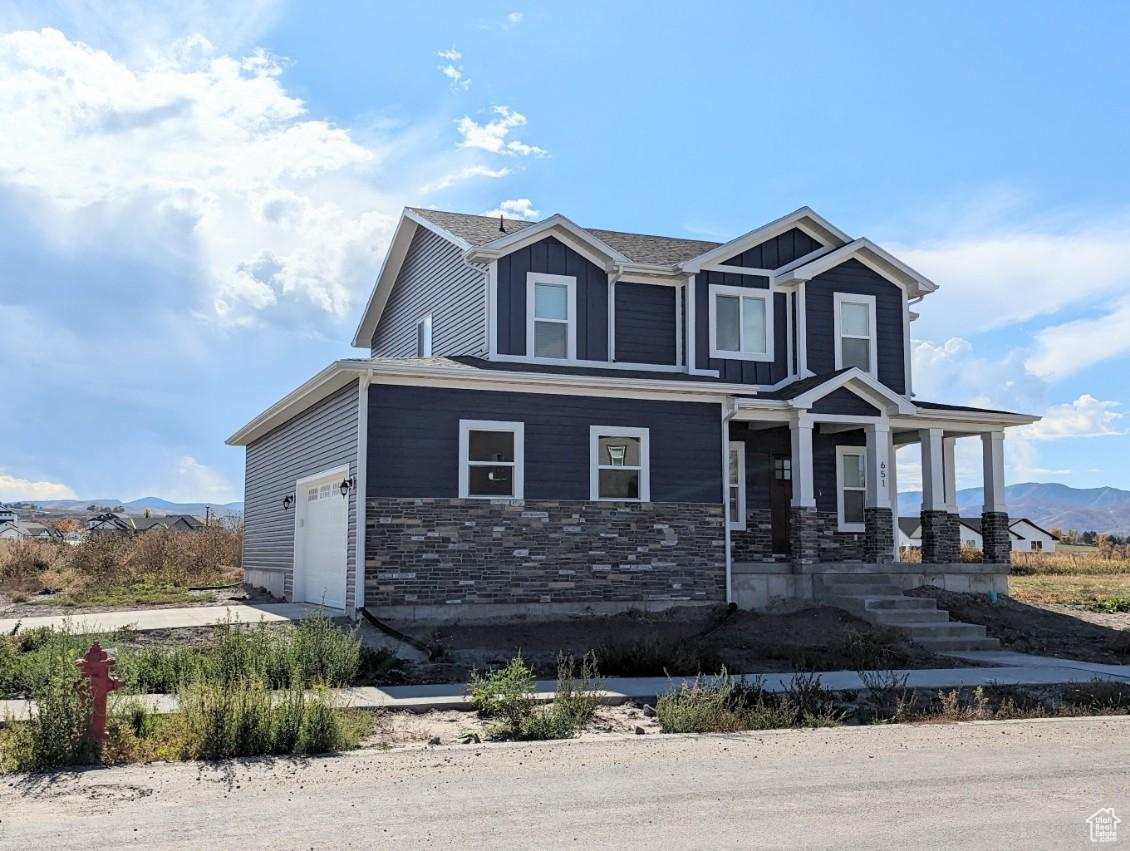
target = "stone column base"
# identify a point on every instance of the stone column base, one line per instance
(804, 534)
(941, 543)
(879, 539)
(995, 537)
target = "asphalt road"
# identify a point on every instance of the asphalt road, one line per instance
(991, 785)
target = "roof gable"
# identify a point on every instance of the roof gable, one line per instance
(804, 219)
(869, 254)
(809, 392)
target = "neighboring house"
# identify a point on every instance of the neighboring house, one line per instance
(20, 530)
(122, 524)
(1030, 538)
(554, 418)
(109, 524)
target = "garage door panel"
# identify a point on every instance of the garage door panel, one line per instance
(321, 547)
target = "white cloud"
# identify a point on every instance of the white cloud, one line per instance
(197, 482)
(461, 176)
(1085, 417)
(953, 372)
(451, 55)
(454, 73)
(516, 208)
(13, 488)
(513, 19)
(1063, 350)
(492, 135)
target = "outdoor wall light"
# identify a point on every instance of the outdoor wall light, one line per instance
(288, 501)
(346, 486)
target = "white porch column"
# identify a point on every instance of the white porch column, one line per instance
(877, 461)
(804, 493)
(992, 448)
(892, 461)
(949, 473)
(933, 484)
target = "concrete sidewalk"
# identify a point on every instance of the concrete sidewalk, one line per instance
(188, 616)
(1024, 671)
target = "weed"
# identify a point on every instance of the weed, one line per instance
(506, 693)
(653, 657)
(56, 735)
(703, 706)
(889, 700)
(1098, 697)
(1114, 604)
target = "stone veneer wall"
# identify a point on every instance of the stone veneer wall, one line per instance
(816, 537)
(879, 537)
(450, 551)
(941, 538)
(996, 540)
(755, 542)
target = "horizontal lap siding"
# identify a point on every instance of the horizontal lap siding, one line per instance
(321, 438)
(824, 465)
(414, 441)
(434, 280)
(645, 323)
(740, 371)
(853, 277)
(552, 257)
(760, 447)
(776, 252)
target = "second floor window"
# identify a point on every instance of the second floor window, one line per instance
(855, 331)
(551, 306)
(424, 337)
(741, 323)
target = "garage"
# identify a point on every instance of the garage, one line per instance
(321, 536)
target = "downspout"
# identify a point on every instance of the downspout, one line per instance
(728, 413)
(360, 489)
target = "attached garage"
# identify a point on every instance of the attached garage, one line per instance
(321, 539)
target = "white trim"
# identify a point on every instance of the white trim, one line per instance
(992, 458)
(600, 364)
(755, 271)
(739, 446)
(932, 463)
(790, 368)
(360, 487)
(518, 430)
(906, 356)
(842, 451)
(876, 465)
(570, 321)
(765, 296)
(492, 308)
(868, 253)
(643, 435)
(864, 385)
(424, 323)
(680, 294)
(806, 219)
(838, 301)
(577, 238)
(800, 434)
(802, 332)
(613, 279)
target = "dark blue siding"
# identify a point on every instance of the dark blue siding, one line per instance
(760, 446)
(776, 252)
(414, 441)
(843, 401)
(740, 371)
(853, 277)
(645, 323)
(824, 464)
(553, 257)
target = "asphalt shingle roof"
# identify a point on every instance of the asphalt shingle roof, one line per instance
(638, 247)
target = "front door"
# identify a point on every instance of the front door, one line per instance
(780, 498)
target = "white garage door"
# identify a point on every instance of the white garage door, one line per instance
(320, 540)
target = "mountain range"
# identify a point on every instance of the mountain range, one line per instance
(1098, 509)
(155, 505)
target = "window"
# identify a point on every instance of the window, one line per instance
(551, 313)
(1037, 546)
(741, 323)
(735, 489)
(619, 464)
(491, 459)
(851, 487)
(783, 469)
(855, 331)
(424, 337)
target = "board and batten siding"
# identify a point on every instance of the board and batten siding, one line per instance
(732, 369)
(553, 257)
(775, 252)
(852, 276)
(434, 280)
(645, 323)
(414, 441)
(320, 438)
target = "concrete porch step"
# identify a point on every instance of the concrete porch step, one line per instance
(945, 629)
(872, 589)
(943, 645)
(905, 617)
(900, 602)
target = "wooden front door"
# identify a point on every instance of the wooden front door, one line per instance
(780, 497)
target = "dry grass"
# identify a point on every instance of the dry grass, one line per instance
(1073, 561)
(1065, 590)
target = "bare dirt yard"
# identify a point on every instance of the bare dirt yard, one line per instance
(681, 641)
(48, 604)
(1045, 629)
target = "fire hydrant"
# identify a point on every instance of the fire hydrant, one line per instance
(95, 667)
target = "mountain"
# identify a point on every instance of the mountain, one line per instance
(1100, 509)
(156, 506)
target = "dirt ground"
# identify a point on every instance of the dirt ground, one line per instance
(1042, 629)
(212, 597)
(683, 641)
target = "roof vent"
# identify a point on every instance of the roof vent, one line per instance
(501, 226)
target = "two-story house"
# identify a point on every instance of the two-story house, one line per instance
(557, 418)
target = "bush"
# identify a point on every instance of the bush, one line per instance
(56, 735)
(651, 657)
(506, 694)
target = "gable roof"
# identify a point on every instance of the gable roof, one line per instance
(1020, 520)
(909, 525)
(805, 218)
(807, 391)
(872, 256)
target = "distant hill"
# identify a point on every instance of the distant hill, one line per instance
(1100, 509)
(156, 505)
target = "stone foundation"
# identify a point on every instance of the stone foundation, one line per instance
(879, 538)
(816, 536)
(941, 541)
(450, 552)
(995, 537)
(755, 542)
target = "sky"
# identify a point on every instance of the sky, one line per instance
(195, 197)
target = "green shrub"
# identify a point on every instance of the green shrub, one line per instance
(653, 657)
(506, 693)
(56, 735)
(1114, 604)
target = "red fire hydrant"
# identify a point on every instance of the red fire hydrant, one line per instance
(95, 667)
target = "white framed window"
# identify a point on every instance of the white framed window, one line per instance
(491, 459)
(619, 464)
(854, 319)
(551, 316)
(424, 337)
(735, 486)
(741, 323)
(851, 487)
(1037, 546)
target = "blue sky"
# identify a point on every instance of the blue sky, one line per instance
(194, 200)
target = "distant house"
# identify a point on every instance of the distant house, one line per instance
(123, 524)
(19, 530)
(1030, 538)
(109, 524)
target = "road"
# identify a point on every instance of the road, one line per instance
(989, 785)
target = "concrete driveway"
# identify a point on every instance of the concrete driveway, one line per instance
(1029, 784)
